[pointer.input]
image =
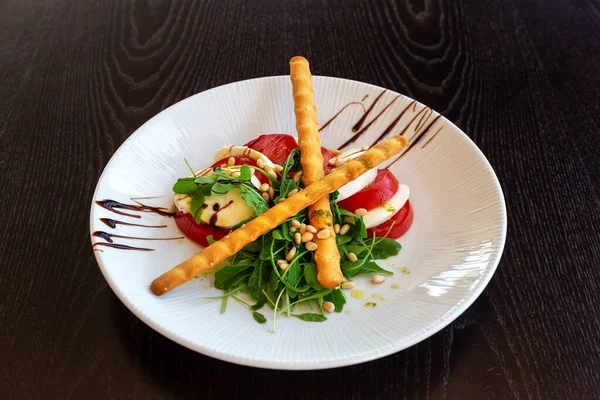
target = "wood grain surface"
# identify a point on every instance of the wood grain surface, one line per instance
(520, 77)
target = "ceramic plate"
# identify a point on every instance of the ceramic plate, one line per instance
(448, 256)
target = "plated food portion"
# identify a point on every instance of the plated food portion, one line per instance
(448, 255)
(288, 221)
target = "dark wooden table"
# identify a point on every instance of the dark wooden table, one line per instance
(521, 78)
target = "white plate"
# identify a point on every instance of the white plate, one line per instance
(451, 251)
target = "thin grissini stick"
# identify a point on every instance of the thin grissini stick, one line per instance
(327, 255)
(232, 243)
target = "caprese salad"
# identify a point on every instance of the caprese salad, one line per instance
(203, 215)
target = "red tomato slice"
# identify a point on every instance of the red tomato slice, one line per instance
(198, 232)
(402, 221)
(241, 160)
(378, 192)
(277, 147)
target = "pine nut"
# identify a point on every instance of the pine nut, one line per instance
(311, 246)
(297, 176)
(224, 166)
(349, 219)
(265, 196)
(348, 285)
(295, 223)
(260, 163)
(231, 161)
(328, 306)
(272, 173)
(282, 199)
(307, 237)
(378, 279)
(297, 238)
(361, 212)
(278, 168)
(302, 227)
(344, 229)
(332, 160)
(280, 261)
(293, 229)
(339, 163)
(292, 192)
(311, 229)
(324, 234)
(271, 192)
(235, 174)
(284, 265)
(352, 257)
(291, 254)
(364, 147)
(264, 187)
(243, 226)
(336, 228)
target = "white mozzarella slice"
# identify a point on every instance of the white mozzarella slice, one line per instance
(182, 202)
(236, 209)
(254, 180)
(359, 183)
(231, 151)
(388, 209)
(231, 210)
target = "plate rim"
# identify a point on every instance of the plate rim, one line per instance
(393, 347)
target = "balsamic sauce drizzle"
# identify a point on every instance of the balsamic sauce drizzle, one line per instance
(112, 205)
(432, 136)
(108, 237)
(416, 139)
(362, 119)
(339, 112)
(113, 223)
(119, 246)
(363, 130)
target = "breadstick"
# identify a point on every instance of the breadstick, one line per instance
(232, 243)
(327, 256)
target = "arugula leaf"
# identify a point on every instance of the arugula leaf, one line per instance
(196, 206)
(310, 274)
(360, 228)
(359, 267)
(252, 247)
(273, 282)
(220, 189)
(265, 252)
(293, 274)
(258, 317)
(343, 239)
(260, 303)
(310, 317)
(205, 180)
(210, 239)
(254, 200)
(277, 235)
(185, 186)
(384, 248)
(245, 173)
(255, 280)
(337, 298)
(372, 267)
(230, 274)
